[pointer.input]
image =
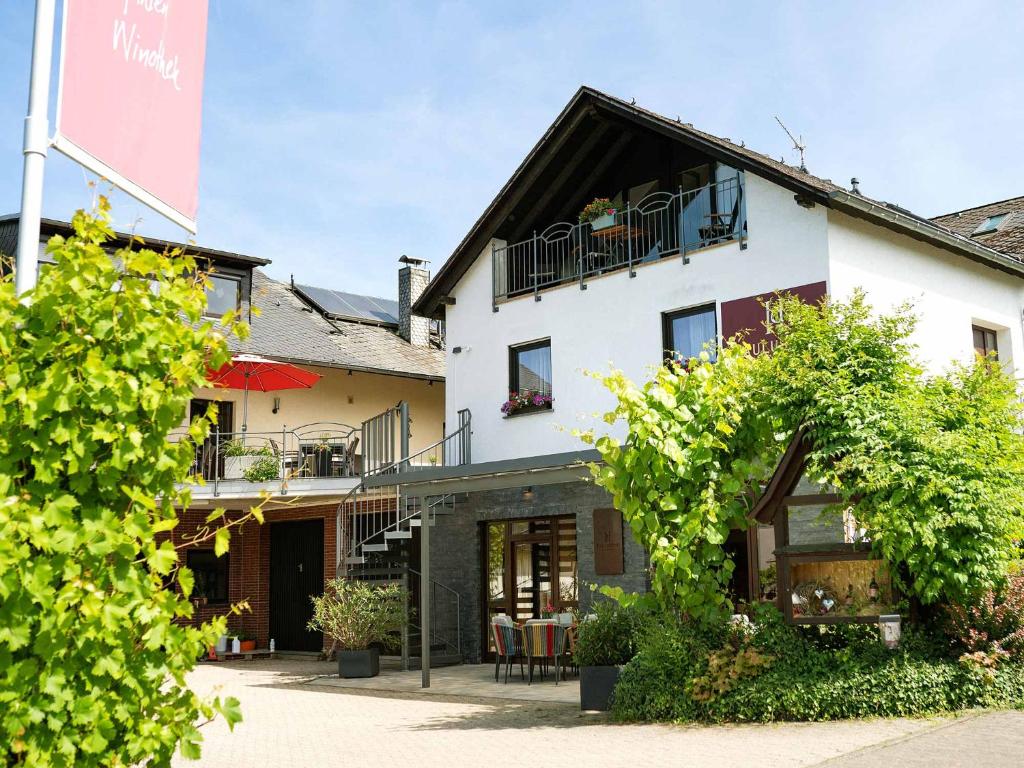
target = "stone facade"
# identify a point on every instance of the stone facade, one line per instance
(412, 281)
(457, 538)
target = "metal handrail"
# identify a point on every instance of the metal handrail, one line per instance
(661, 225)
(434, 610)
(452, 450)
(317, 449)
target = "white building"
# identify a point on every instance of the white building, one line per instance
(702, 228)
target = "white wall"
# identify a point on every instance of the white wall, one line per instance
(616, 320)
(949, 292)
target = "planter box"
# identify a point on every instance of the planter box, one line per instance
(248, 645)
(235, 466)
(359, 663)
(603, 222)
(596, 687)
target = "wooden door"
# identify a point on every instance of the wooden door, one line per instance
(296, 573)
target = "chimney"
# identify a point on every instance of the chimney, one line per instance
(412, 281)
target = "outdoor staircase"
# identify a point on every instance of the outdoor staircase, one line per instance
(377, 523)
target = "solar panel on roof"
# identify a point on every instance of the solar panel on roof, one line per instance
(351, 305)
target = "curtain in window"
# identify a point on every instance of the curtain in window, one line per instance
(690, 332)
(535, 370)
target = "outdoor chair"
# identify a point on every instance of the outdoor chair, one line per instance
(506, 645)
(543, 640)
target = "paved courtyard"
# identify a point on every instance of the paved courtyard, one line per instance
(296, 716)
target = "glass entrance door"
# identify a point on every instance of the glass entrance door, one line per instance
(529, 569)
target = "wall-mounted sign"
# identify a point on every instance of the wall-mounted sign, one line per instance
(608, 542)
(129, 105)
(755, 315)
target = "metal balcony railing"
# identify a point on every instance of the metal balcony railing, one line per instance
(661, 225)
(319, 450)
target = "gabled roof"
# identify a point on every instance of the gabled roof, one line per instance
(589, 101)
(1008, 237)
(287, 329)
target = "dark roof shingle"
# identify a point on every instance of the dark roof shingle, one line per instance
(289, 330)
(1008, 238)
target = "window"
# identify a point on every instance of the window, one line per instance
(529, 371)
(985, 342)
(687, 331)
(991, 224)
(223, 295)
(211, 575)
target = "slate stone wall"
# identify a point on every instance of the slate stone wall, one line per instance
(457, 538)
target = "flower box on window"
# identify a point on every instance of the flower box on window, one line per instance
(525, 402)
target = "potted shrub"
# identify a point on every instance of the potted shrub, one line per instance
(246, 642)
(264, 468)
(605, 641)
(239, 457)
(322, 455)
(599, 212)
(359, 617)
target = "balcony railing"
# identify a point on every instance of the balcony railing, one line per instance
(661, 225)
(319, 450)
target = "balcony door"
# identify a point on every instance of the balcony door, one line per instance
(529, 567)
(208, 461)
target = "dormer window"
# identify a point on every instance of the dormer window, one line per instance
(223, 295)
(991, 224)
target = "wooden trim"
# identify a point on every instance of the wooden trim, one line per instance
(783, 480)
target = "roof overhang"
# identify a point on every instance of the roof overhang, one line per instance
(925, 231)
(550, 469)
(587, 102)
(121, 239)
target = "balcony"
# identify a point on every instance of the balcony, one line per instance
(662, 225)
(312, 460)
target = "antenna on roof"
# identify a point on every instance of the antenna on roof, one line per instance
(798, 144)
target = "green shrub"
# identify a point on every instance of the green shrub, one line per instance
(262, 470)
(811, 673)
(610, 636)
(356, 614)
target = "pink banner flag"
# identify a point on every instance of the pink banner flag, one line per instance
(130, 100)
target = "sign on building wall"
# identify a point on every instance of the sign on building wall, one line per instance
(608, 559)
(130, 99)
(757, 314)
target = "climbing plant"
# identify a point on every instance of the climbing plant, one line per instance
(933, 466)
(97, 365)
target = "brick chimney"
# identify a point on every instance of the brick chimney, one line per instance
(412, 281)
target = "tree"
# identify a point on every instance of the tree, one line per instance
(96, 369)
(933, 467)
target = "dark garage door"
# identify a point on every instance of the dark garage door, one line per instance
(296, 572)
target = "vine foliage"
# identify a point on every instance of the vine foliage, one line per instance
(931, 465)
(97, 366)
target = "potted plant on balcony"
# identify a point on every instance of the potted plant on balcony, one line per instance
(359, 617)
(599, 212)
(239, 457)
(322, 453)
(605, 641)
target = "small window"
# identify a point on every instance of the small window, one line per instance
(985, 342)
(687, 331)
(211, 574)
(529, 373)
(991, 224)
(223, 295)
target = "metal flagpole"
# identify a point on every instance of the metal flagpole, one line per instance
(36, 141)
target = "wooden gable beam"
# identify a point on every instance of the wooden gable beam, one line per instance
(580, 153)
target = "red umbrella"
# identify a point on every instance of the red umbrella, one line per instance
(247, 372)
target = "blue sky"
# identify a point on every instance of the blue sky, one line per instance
(338, 136)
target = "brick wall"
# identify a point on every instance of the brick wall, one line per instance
(249, 563)
(456, 540)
